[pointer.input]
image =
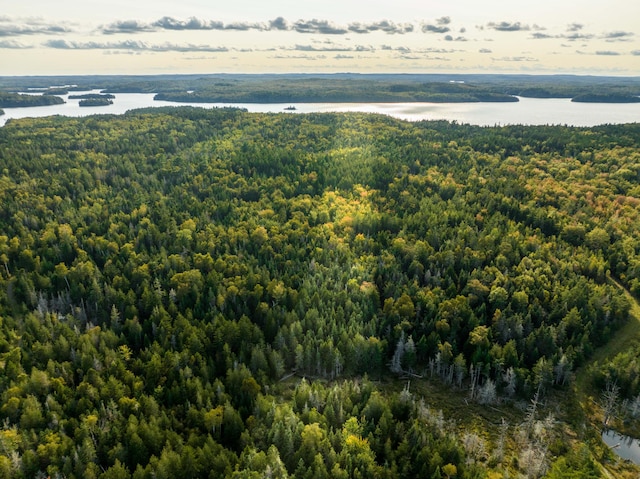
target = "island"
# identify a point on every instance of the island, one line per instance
(17, 100)
(56, 91)
(1, 112)
(96, 102)
(92, 96)
(337, 90)
(606, 98)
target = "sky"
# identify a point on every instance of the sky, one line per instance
(42, 37)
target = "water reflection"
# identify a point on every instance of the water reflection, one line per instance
(624, 446)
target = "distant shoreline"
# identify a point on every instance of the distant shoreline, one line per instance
(342, 87)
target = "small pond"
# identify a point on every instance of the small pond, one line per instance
(624, 446)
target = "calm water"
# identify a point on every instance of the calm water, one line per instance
(528, 111)
(624, 446)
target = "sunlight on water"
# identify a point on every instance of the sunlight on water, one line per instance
(528, 111)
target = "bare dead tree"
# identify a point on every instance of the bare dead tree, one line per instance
(610, 399)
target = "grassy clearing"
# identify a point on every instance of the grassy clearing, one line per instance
(586, 399)
(622, 340)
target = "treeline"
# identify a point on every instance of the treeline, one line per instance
(92, 96)
(344, 87)
(162, 271)
(606, 98)
(621, 376)
(317, 90)
(14, 100)
(104, 101)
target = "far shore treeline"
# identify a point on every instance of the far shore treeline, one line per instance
(332, 88)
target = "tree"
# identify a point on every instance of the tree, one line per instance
(396, 361)
(597, 238)
(610, 399)
(213, 419)
(117, 471)
(450, 470)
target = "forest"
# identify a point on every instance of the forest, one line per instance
(98, 101)
(14, 100)
(213, 293)
(316, 90)
(341, 87)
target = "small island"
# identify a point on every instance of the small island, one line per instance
(1, 112)
(92, 96)
(291, 108)
(96, 102)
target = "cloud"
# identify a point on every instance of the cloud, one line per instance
(323, 27)
(515, 59)
(607, 53)
(192, 23)
(435, 28)
(299, 57)
(635, 53)
(618, 36)
(11, 27)
(423, 56)
(314, 26)
(484, 50)
(439, 27)
(312, 48)
(244, 26)
(574, 27)
(278, 24)
(341, 56)
(449, 38)
(132, 45)
(170, 23)
(540, 36)
(127, 26)
(14, 45)
(508, 26)
(331, 47)
(578, 36)
(385, 26)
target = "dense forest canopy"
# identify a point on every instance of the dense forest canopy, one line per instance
(14, 100)
(98, 101)
(164, 272)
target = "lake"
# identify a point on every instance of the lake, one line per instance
(528, 111)
(624, 446)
